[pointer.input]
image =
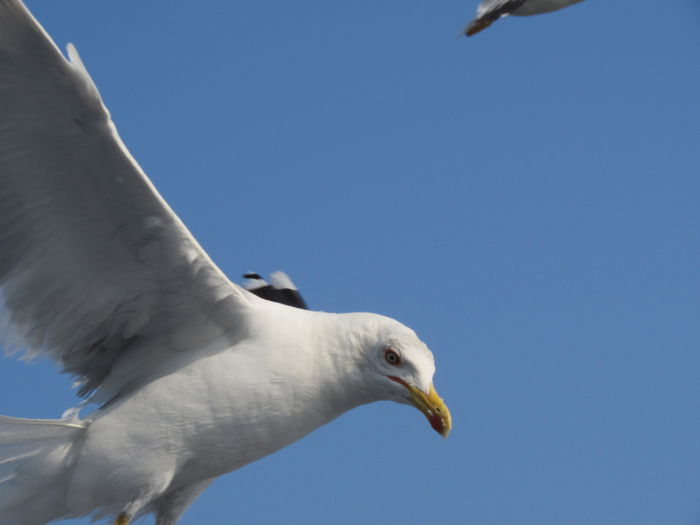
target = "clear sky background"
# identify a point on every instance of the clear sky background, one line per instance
(527, 200)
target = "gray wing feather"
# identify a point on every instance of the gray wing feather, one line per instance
(499, 7)
(95, 268)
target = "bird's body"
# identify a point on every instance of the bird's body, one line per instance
(195, 376)
(491, 10)
(211, 412)
(259, 396)
(264, 393)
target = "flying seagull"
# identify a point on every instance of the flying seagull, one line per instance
(491, 10)
(194, 376)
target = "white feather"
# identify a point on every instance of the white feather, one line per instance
(96, 268)
(281, 281)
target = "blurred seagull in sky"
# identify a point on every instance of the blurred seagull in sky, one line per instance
(194, 376)
(491, 10)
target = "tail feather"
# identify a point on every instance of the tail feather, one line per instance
(35, 460)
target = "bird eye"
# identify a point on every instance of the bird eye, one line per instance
(392, 357)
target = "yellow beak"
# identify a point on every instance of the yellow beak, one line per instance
(432, 406)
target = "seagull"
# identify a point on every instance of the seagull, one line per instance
(491, 10)
(192, 375)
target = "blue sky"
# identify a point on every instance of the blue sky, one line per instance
(526, 199)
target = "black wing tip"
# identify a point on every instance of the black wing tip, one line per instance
(477, 25)
(280, 291)
(487, 18)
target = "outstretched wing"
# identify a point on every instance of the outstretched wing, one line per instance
(96, 271)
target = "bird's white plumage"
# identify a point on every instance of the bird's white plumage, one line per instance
(198, 377)
(93, 260)
(281, 280)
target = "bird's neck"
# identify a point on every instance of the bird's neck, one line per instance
(336, 359)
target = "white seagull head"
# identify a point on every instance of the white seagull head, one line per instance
(395, 365)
